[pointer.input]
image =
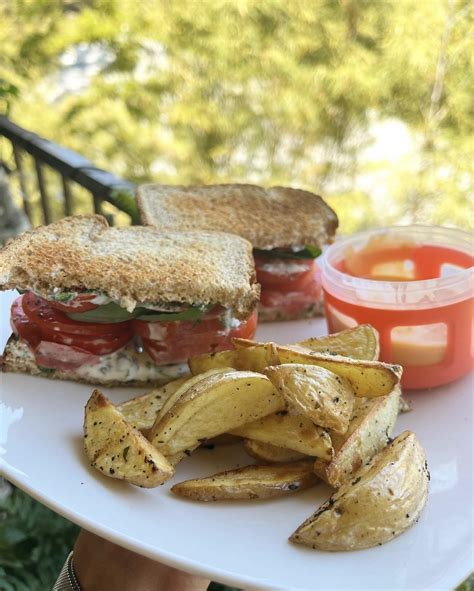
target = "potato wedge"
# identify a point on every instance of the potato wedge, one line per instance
(367, 378)
(361, 342)
(319, 468)
(213, 405)
(322, 396)
(266, 452)
(368, 433)
(250, 482)
(294, 432)
(119, 450)
(185, 387)
(384, 499)
(250, 359)
(142, 410)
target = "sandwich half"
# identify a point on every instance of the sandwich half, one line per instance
(129, 305)
(287, 228)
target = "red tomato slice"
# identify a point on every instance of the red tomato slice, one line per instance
(159, 331)
(284, 275)
(81, 303)
(22, 325)
(45, 316)
(63, 357)
(182, 341)
(99, 345)
(293, 302)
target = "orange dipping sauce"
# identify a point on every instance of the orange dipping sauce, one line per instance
(414, 284)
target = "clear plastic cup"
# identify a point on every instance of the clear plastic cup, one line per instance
(414, 284)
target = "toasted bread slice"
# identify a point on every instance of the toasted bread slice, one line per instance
(260, 215)
(130, 368)
(133, 264)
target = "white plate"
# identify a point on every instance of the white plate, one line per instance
(242, 543)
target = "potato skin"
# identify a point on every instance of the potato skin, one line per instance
(250, 482)
(381, 501)
(316, 393)
(266, 452)
(117, 449)
(369, 431)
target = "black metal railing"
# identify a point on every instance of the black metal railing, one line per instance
(103, 186)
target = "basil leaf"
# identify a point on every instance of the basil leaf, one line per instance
(308, 252)
(64, 296)
(111, 313)
(194, 313)
(108, 313)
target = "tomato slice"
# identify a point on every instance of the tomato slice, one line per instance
(63, 357)
(291, 303)
(81, 303)
(181, 340)
(45, 316)
(285, 275)
(22, 325)
(160, 330)
(99, 345)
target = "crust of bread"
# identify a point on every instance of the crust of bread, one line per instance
(277, 217)
(274, 315)
(133, 264)
(17, 358)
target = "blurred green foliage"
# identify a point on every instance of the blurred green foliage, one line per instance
(34, 543)
(265, 91)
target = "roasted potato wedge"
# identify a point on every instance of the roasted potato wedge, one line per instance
(266, 452)
(250, 482)
(213, 405)
(368, 378)
(384, 499)
(141, 411)
(361, 342)
(319, 468)
(250, 359)
(370, 429)
(294, 432)
(322, 396)
(185, 387)
(119, 450)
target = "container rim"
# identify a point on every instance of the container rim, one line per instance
(416, 286)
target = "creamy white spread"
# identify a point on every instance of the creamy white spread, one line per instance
(127, 365)
(283, 267)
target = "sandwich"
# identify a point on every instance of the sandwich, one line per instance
(129, 305)
(287, 228)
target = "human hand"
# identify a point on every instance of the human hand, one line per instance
(103, 566)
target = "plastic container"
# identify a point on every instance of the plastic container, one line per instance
(415, 285)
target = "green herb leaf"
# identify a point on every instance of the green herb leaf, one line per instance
(125, 452)
(108, 313)
(111, 313)
(308, 252)
(194, 313)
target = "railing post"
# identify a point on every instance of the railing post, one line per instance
(21, 177)
(97, 203)
(68, 209)
(43, 193)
